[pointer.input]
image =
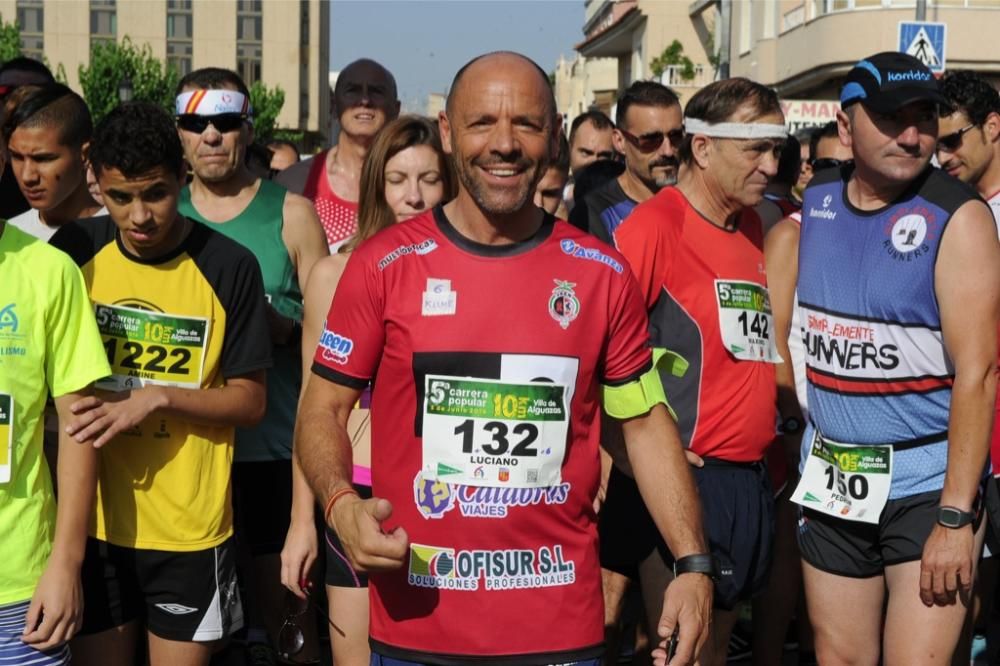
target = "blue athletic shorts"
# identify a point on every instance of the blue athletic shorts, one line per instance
(13, 651)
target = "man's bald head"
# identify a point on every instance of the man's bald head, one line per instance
(367, 70)
(488, 61)
(365, 99)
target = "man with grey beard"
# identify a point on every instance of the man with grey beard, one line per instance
(648, 131)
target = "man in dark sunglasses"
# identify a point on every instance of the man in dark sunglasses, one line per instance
(282, 231)
(648, 132)
(968, 148)
(968, 144)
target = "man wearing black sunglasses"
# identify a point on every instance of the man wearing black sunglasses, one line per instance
(969, 136)
(648, 132)
(968, 148)
(282, 231)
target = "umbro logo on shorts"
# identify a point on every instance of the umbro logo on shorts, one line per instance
(176, 609)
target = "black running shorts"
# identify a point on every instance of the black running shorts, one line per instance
(180, 596)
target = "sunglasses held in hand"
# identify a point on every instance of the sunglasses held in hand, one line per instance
(291, 638)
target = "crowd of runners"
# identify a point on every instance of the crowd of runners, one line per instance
(485, 389)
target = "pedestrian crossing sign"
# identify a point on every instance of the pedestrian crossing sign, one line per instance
(924, 41)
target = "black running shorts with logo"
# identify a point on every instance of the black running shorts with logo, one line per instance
(738, 513)
(339, 572)
(738, 507)
(179, 596)
(861, 550)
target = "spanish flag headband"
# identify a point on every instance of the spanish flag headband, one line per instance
(212, 102)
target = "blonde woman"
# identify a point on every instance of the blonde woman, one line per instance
(405, 174)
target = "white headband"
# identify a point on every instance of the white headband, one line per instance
(735, 130)
(212, 102)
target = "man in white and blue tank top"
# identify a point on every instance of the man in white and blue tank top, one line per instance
(899, 293)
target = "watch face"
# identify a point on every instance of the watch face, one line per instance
(951, 517)
(791, 425)
(947, 518)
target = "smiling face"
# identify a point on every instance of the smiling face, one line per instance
(500, 128)
(47, 171)
(968, 152)
(365, 99)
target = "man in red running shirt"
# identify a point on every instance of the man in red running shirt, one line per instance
(497, 331)
(697, 251)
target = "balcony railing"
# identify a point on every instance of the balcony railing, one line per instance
(672, 77)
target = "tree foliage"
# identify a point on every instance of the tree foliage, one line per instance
(10, 41)
(266, 103)
(673, 55)
(111, 62)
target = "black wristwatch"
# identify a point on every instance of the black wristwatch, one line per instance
(790, 426)
(702, 563)
(950, 517)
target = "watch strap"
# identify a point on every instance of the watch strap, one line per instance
(954, 518)
(702, 563)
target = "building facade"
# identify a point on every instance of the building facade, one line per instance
(585, 83)
(635, 32)
(804, 48)
(284, 44)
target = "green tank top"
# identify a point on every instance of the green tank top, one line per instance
(258, 228)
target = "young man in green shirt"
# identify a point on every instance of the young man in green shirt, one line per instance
(49, 345)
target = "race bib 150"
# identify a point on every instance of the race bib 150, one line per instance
(849, 482)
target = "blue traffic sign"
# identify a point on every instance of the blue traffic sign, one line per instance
(925, 41)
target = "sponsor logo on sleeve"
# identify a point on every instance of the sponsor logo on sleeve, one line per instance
(577, 251)
(336, 348)
(423, 247)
